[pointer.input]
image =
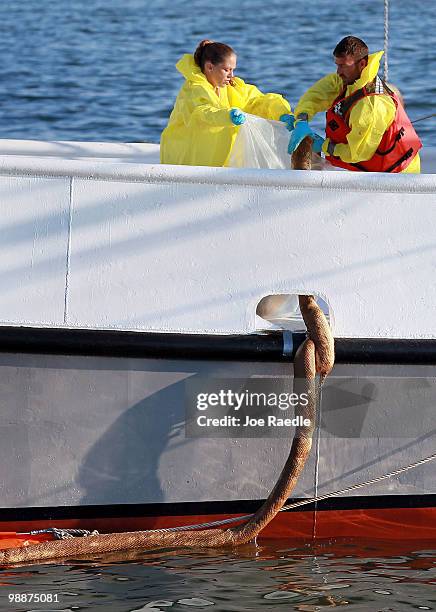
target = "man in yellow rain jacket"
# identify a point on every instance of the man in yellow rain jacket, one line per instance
(367, 127)
(210, 107)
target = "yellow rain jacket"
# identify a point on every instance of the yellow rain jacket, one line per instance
(369, 118)
(199, 131)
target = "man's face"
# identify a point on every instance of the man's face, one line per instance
(349, 68)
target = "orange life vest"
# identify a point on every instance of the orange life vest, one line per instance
(399, 144)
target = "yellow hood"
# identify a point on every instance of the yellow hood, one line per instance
(189, 69)
(368, 73)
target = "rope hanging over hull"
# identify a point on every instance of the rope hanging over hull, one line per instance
(315, 355)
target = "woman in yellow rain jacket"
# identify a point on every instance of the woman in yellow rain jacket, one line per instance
(210, 107)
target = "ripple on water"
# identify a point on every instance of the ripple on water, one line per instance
(364, 576)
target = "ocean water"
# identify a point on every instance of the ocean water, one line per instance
(368, 576)
(104, 70)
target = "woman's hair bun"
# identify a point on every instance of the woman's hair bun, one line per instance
(199, 51)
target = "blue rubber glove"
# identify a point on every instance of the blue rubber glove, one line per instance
(318, 141)
(289, 121)
(237, 116)
(298, 134)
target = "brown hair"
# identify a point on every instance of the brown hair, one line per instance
(350, 45)
(210, 51)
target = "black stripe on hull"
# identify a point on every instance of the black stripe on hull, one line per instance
(247, 347)
(204, 508)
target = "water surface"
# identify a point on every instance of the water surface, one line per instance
(105, 70)
(357, 575)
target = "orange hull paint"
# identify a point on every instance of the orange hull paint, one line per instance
(385, 523)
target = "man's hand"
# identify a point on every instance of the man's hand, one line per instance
(317, 142)
(289, 121)
(298, 134)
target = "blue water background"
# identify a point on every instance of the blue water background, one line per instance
(104, 70)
